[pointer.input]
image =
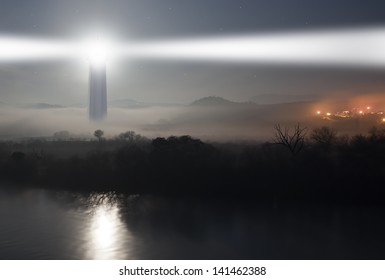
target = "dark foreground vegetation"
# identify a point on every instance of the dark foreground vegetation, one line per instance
(296, 164)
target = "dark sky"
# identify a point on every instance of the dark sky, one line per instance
(65, 82)
(149, 18)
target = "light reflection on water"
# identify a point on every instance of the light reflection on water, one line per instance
(40, 224)
(106, 232)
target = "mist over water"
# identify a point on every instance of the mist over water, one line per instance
(246, 122)
(205, 123)
(231, 121)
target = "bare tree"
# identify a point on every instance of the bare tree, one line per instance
(293, 140)
(324, 136)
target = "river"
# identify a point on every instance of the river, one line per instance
(43, 224)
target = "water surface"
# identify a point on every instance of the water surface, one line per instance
(42, 224)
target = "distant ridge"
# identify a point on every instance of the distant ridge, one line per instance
(43, 106)
(214, 101)
(131, 103)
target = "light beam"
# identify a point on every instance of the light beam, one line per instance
(362, 47)
(343, 47)
(14, 49)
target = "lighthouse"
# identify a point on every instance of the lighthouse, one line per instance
(97, 91)
(97, 55)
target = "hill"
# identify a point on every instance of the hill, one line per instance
(215, 101)
(43, 106)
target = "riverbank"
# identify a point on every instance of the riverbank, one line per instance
(343, 171)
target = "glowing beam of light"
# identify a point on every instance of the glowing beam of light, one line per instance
(346, 47)
(30, 49)
(350, 47)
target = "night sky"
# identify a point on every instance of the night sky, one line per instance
(65, 82)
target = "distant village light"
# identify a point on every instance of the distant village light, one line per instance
(361, 113)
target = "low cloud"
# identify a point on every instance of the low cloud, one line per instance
(233, 122)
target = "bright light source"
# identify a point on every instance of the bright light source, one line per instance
(97, 51)
(368, 108)
(383, 120)
(318, 112)
(328, 114)
(361, 112)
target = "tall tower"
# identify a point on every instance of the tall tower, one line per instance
(98, 92)
(96, 50)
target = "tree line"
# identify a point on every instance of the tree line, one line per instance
(297, 163)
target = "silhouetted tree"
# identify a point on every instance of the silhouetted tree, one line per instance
(185, 165)
(376, 134)
(131, 137)
(99, 134)
(293, 140)
(127, 136)
(324, 136)
(159, 142)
